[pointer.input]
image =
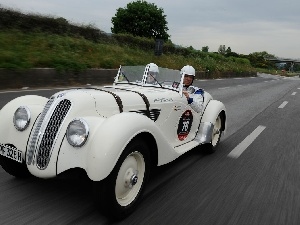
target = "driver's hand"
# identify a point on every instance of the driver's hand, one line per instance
(186, 94)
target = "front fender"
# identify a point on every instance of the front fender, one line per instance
(111, 138)
(8, 133)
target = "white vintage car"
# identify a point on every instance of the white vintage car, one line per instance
(116, 133)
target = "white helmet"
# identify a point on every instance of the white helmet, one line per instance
(152, 73)
(153, 68)
(188, 70)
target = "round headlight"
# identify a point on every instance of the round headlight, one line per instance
(77, 132)
(22, 118)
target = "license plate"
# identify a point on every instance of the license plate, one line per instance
(11, 153)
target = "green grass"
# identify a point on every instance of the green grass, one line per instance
(20, 50)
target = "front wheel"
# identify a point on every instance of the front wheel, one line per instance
(119, 194)
(216, 135)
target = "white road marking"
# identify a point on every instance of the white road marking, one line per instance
(283, 105)
(241, 147)
(294, 93)
(223, 88)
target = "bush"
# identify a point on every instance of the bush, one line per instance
(11, 19)
(67, 46)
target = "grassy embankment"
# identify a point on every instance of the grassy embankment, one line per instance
(20, 50)
(38, 41)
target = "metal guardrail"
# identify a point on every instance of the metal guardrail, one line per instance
(11, 79)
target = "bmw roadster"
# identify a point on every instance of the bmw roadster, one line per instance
(115, 134)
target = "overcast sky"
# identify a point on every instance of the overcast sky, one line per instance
(244, 26)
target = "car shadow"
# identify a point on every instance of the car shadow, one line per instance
(70, 197)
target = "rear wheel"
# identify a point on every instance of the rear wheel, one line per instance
(216, 135)
(119, 194)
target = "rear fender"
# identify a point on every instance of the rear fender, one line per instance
(212, 110)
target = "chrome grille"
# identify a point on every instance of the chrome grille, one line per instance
(45, 132)
(34, 137)
(56, 119)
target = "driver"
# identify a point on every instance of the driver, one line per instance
(194, 95)
(152, 74)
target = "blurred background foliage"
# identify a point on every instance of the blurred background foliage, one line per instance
(39, 41)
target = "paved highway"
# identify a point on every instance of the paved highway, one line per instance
(253, 178)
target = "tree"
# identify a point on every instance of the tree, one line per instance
(259, 59)
(141, 19)
(222, 49)
(205, 49)
(234, 54)
(228, 50)
(229, 53)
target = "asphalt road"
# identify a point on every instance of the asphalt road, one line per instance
(253, 178)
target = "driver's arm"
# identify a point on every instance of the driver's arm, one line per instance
(195, 100)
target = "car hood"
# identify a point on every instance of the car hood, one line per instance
(110, 100)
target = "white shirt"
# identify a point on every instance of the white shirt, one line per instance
(196, 98)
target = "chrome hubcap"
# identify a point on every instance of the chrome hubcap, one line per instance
(134, 179)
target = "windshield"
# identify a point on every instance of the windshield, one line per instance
(141, 75)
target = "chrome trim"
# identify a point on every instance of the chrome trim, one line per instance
(36, 134)
(28, 121)
(86, 126)
(46, 131)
